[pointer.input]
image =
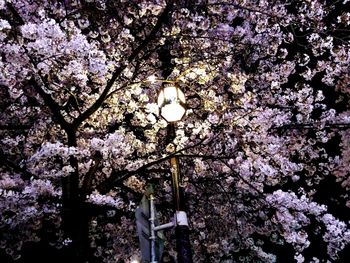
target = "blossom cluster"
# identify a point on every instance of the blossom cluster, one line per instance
(266, 126)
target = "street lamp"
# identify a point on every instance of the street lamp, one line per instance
(172, 107)
(171, 103)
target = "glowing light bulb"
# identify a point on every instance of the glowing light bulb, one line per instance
(172, 103)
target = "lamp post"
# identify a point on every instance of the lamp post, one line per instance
(172, 106)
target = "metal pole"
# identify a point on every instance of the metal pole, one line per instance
(183, 245)
(153, 232)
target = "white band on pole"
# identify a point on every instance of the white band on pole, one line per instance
(181, 218)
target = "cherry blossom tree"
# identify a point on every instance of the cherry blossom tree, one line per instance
(264, 146)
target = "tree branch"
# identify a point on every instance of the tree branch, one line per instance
(316, 126)
(120, 69)
(14, 127)
(25, 175)
(118, 177)
(86, 185)
(38, 82)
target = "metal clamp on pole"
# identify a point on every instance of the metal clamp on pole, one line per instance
(181, 218)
